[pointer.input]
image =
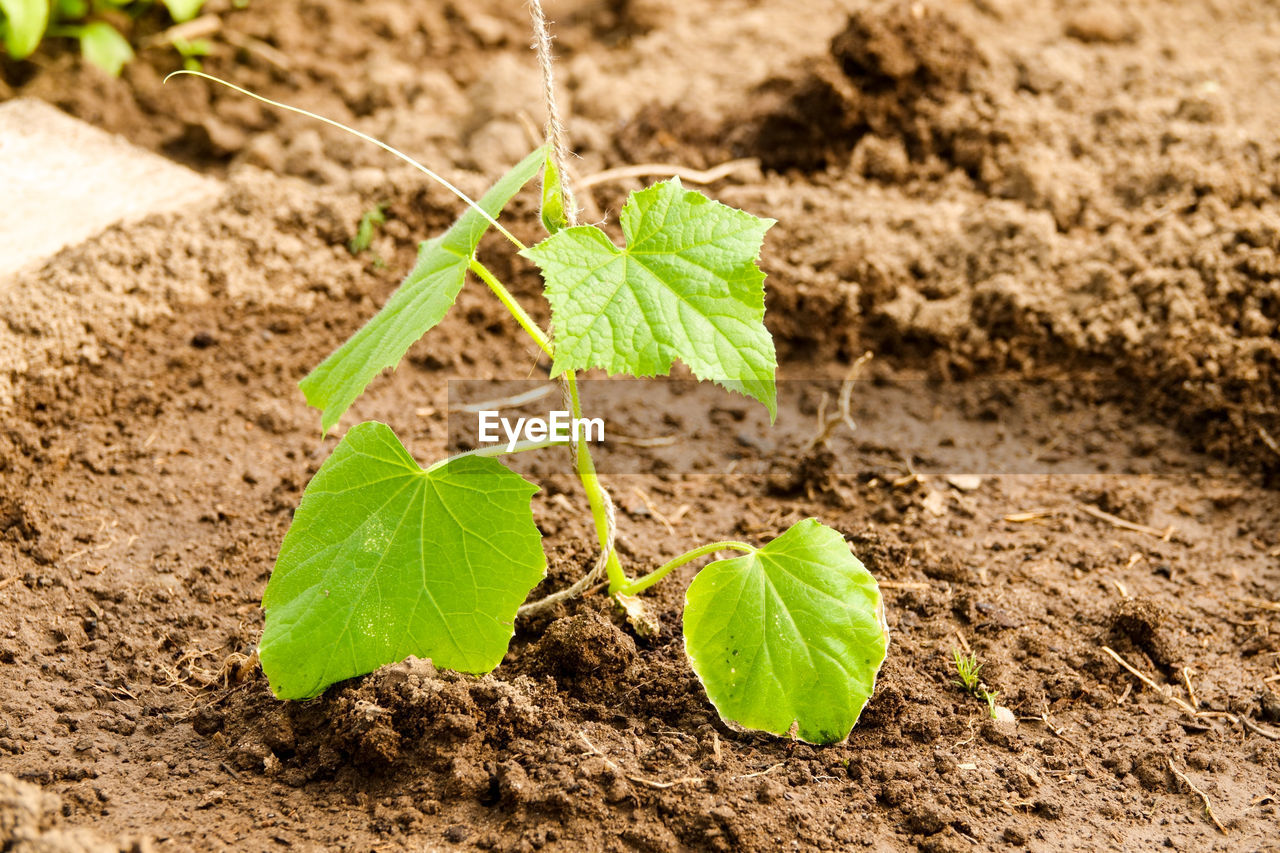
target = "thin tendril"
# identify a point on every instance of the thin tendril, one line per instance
(364, 136)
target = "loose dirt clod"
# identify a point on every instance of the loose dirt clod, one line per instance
(896, 65)
(1149, 628)
(584, 648)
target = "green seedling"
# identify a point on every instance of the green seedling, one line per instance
(370, 221)
(989, 696)
(192, 51)
(24, 24)
(183, 10)
(101, 44)
(967, 667)
(386, 559)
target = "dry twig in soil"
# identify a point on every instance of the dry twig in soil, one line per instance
(1125, 524)
(1030, 515)
(1188, 709)
(759, 773)
(666, 170)
(639, 780)
(1204, 798)
(1147, 681)
(1261, 603)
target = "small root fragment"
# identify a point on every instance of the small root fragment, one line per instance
(1239, 719)
(642, 441)
(1057, 732)
(655, 784)
(1269, 441)
(197, 28)
(1191, 693)
(844, 403)
(1257, 729)
(1125, 524)
(684, 173)
(653, 510)
(1261, 603)
(1030, 515)
(1147, 681)
(513, 401)
(1204, 798)
(759, 773)
(581, 585)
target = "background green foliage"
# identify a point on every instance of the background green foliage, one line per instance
(25, 23)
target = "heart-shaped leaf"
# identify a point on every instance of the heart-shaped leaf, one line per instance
(385, 560)
(788, 639)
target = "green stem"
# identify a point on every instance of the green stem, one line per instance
(595, 493)
(641, 584)
(517, 310)
(586, 466)
(497, 450)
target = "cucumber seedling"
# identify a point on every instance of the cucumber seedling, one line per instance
(387, 559)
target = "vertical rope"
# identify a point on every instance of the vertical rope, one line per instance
(559, 141)
(555, 127)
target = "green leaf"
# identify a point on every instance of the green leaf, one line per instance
(24, 25)
(790, 636)
(183, 10)
(385, 560)
(686, 286)
(553, 200)
(103, 46)
(71, 10)
(422, 300)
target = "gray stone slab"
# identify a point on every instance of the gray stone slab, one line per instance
(63, 181)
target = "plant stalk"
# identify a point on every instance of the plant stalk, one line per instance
(595, 493)
(517, 310)
(641, 584)
(558, 141)
(585, 465)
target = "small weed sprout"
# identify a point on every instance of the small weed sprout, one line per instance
(990, 697)
(370, 221)
(192, 51)
(968, 667)
(385, 559)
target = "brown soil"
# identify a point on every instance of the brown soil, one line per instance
(986, 189)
